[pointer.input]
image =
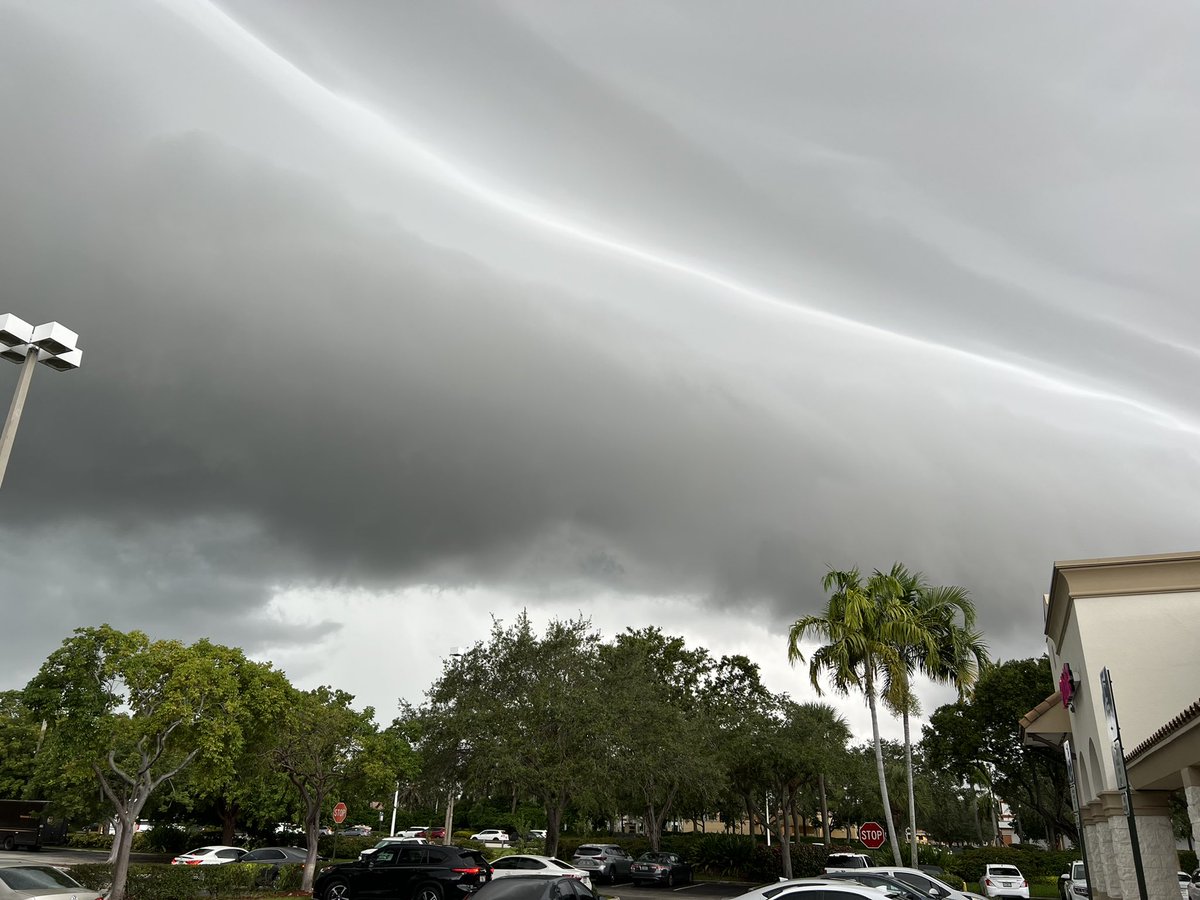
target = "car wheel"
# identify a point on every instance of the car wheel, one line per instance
(10, 842)
(337, 890)
(428, 892)
(670, 879)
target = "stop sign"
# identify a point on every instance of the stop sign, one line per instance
(871, 834)
(339, 813)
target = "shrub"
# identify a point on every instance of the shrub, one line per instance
(89, 840)
(95, 876)
(1187, 861)
(348, 846)
(290, 877)
(969, 865)
(233, 879)
(163, 882)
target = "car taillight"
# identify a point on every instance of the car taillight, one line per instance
(987, 881)
(1024, 883)
(192, 862)
(472, 871)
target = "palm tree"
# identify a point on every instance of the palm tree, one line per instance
(949, 651)
(863, 628)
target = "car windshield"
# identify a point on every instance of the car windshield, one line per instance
(1077, 872)
(28, 878)
(1005, 871)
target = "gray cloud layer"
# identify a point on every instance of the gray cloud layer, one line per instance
(662, 298)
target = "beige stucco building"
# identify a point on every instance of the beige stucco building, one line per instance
(1140, 618)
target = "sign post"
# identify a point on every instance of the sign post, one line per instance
(872, 835)
(1087, 872)
(339, 816)
(1118, 755)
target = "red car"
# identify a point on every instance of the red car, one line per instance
(432, 834)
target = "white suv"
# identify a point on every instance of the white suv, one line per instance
(1072, 884)
(1003, 881)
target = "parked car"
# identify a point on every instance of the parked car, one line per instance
(215, 855)
(813, 889)
(840, 862)
(21, 881)
(1072, 884)
(433, 834)
(895, 889)
(535, 887)
(405, 872)
(356, 831)
(391, 841)
(412, 831)
(524, 864)
(274, 857)
(1185, 881)
(607, 862)
(1003, 881)
(492, 835)
(660, 868)
(538, 833)
(923, 882)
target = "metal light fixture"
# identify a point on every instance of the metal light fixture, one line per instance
(51, 344)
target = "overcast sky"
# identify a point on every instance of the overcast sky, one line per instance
(400, 316)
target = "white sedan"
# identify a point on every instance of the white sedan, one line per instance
(209, 856)
(538, 865)
(491, 835)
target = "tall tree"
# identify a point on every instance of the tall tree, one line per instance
(320, 748)
(949, 650)
(134, 713)
(524, 711)
(863, 627)
(654, 683)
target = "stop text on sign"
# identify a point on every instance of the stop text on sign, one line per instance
(871, 834)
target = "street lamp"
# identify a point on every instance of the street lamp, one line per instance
(50, 344)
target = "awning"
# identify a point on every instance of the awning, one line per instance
(1047, 724)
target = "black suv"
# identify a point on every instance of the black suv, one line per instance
(405, 872)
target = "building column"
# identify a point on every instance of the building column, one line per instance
(1093, 824)
(1156, 840)
(1191, 790)
(1112, 830)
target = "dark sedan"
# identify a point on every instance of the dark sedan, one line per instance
(535, 887)
(274, 857)
(405, 872)
(660, 868)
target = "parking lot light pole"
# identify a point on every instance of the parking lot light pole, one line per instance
(50, 344)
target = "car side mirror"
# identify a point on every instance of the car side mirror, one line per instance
(1065, 876)
(935, 892)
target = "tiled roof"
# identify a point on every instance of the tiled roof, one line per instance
(1170, 728)
(1036, 713)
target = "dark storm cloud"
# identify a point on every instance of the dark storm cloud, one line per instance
(658, 301)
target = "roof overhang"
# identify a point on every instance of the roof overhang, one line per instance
(1116, 576)
(1158, 762)
(1047, 724)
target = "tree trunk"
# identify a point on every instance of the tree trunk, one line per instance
(785, 844)
(824, 810)
(975, 812)
(652, 828)
(883, 789)
(118, 831)
(554, 814)
(123, 844)
(229, 813)
(312, 829)
(912, 801)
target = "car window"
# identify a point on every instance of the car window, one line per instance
(562, 891)
(229, 854)
(273, 854)
(561, 864)
(28, 878)
(411, 855)
(920, 882)
(587, 850)
(834, 894)
(506, 862)
(1005, 871)
(582, 892)
(385, 856)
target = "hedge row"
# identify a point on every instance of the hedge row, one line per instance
(167, 882)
